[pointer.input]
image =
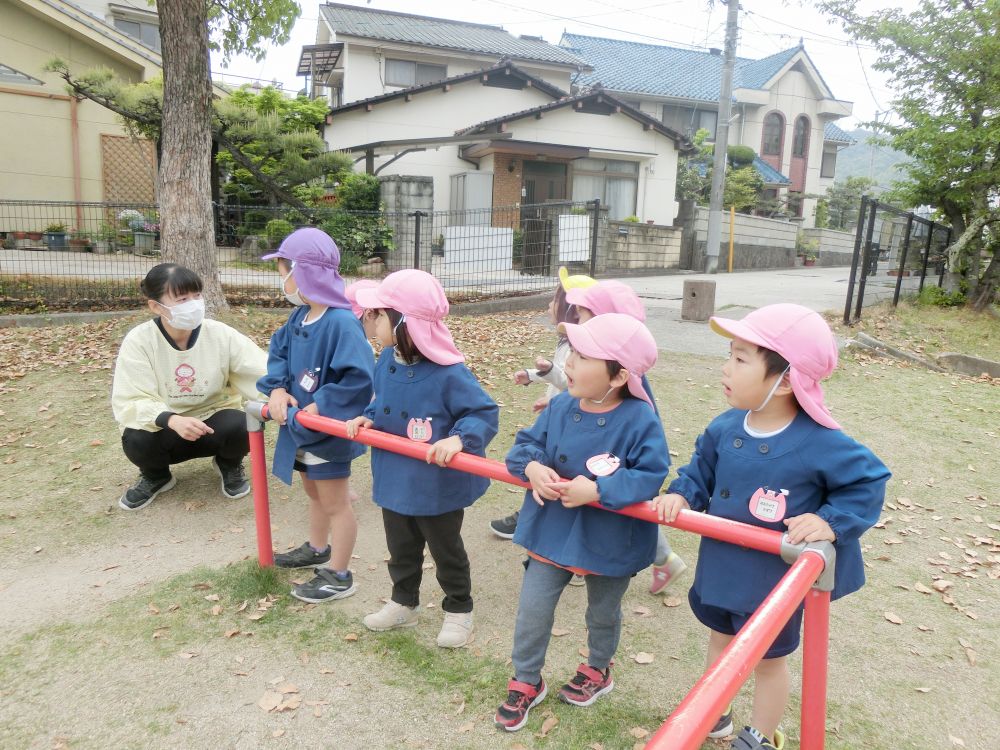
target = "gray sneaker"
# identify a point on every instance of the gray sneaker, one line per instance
(143, 492)
(326, 586)
(234, 479)
(302, 557)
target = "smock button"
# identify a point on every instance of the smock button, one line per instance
(562, 459)
(403, 414)
(385, 410)
(601, 421)
(577, 417)
(763, 448)
(409, 373)
(392, 368)
(724, 493)
(738, 443)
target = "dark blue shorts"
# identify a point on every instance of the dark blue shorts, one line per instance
(729, 623)
(328, 470)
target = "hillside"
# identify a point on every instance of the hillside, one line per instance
(864, 160)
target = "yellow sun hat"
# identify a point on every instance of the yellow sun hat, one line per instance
(576, 281)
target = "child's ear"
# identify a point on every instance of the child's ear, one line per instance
(621, 378)
(785, 388)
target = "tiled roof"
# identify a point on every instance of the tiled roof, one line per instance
(832, 133)
(666, 71)
(442, 33)
(769, 174)
(594, 96)
(504, 68)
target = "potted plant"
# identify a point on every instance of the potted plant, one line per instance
(80, 241)
(104, 239)
(55, 236)
(146, 235)
(809, 258)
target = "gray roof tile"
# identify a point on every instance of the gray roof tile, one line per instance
(659, 70)
(442, 33)
(832, 133)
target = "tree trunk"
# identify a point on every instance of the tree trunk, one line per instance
(987, 288)
(185, 194)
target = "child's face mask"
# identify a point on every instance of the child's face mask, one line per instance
(294, 298)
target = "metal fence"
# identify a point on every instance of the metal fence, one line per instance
(897, 248)
(94, 254)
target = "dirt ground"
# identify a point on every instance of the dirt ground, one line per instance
(109, 634)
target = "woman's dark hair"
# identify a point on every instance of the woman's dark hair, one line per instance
(774, 363)
(170, 278)
(404, 344)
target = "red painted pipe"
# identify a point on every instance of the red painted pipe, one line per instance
(815, 655)
(261, 503)
(689, 725)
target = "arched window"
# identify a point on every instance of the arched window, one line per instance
(800, 140)
(774, 131)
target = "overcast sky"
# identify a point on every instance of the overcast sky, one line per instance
(766, 27)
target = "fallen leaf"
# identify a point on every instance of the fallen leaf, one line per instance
(243, 606)
(256, 615)
(641, 611)
(231, 633)
(466, 727)
(290, 704)
(638, 732)
(94, 443)
(922, 689)
(893, 618)
(277, 732)
(548, 725)
(956, 741)
(942, 585)
(286, 688)
(212, 598)
(153, 609)
(922, 589)
(187, 654)
(643, 658)
(351, 637)
(217, 610)
(672, 601)
(269, 701)
(559, 632)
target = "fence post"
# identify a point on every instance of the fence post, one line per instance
(902, 260)
(927, 256)
(595, 228)
(862, 214)
(416, 238)
(947, 244)
(866, 250)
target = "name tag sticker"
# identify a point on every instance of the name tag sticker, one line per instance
(603, 464)
(768, 505)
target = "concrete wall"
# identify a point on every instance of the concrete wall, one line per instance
(835, 248)
(632, 247)
(758, 242)
(402, 195)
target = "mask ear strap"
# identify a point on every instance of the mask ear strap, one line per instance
(774, 387)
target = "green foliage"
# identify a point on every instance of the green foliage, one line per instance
(806, 247)
(938, 297)
(359, 234)
(740, 156)
(248, 27)
(579, 211)
(56, 228)
(843, 202)
(350, 264)
(276, 231)
(358, 192)
(633, 219)
(742, 188)
(822, 214)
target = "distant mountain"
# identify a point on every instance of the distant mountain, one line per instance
(865, 160)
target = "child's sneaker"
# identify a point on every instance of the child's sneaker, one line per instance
(521, 698)
(750, 739)
(505, 527)
(664, 575)
(326, 586)
(587, 686)
(391, 616)
(456, 631)
(724, 726)
(302, 557)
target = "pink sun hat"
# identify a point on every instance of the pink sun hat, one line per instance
(351, 292)
(802, 337)
(422, 302)
(316, 268)
(620, 338)
(608, 297)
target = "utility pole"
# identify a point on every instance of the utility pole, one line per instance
(722, 140)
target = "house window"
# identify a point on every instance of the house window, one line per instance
(142, 31)
(409, 73)
(707, 120)
(689, 121)
(614, 181)
(9, 75)
(829, 167)
(774, 131)
(800, 139)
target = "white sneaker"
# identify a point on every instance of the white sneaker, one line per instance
(456, 631)
(391, 616)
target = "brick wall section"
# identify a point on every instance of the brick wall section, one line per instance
(506, 189)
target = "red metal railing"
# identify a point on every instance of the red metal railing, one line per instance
(689, 724)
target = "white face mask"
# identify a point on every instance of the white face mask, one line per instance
(294, 298)
(187, 315)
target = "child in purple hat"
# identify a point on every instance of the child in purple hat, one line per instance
(423, 390)
(777, 459)
(602, 442)
(318, 361)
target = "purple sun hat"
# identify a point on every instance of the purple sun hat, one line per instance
(316, 268)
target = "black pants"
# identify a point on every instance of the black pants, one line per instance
(406, 536)
(154, 452)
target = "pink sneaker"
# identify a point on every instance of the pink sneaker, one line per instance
(664, 575)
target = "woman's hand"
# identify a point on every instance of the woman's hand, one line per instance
(540, 477)
(444, 450)
(576, 492)
(188, 428)
(668, 506)
(356, 424)
(278, 403)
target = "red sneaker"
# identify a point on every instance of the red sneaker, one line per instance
(521, 698)
(587, 686)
